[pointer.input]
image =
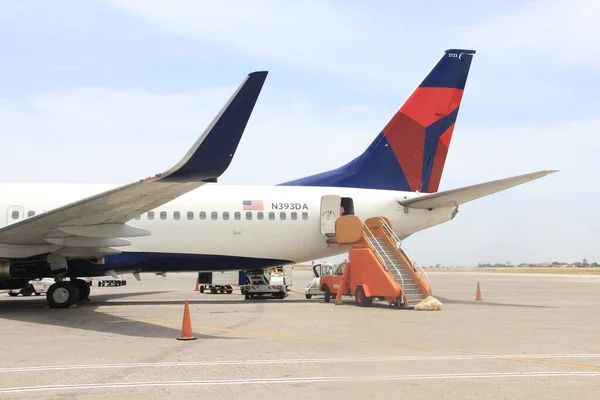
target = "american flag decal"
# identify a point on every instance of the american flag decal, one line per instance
(253, 204)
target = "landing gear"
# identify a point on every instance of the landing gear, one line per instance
(62, 294)
(66, 293)
(84, 289)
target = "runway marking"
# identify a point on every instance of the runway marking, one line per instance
(562, 364)
(510, 357)
(331, 379)
(133, 320)
(288, 336)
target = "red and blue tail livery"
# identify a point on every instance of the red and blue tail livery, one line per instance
(410, 152)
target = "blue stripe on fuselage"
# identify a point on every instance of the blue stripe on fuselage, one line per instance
(169, 262)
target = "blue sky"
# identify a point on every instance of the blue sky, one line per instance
(109, 91)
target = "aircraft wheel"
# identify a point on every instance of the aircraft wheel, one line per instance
(84, 289)
(62, 294)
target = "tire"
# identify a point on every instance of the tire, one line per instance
(221, 289)
(12, 294)
(326, 294)
(84, 289)
(27, 290)
(62, 294)
(202, 289)
(213, 290)
(361, 299)
(308, 296)
(38, 293)
(246, 295)
(228, 290)
(399, 303)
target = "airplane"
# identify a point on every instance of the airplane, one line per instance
(182, 220)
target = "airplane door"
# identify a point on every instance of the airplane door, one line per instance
(14, 214)
(330, 211)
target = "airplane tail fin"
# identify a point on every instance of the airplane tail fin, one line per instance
(410, 152)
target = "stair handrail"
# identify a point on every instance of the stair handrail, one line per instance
(369, 235)
(389, 231)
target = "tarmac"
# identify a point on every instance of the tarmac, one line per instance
(532, 337)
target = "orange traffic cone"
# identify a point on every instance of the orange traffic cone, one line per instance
(197, 286)
(478, 295)
(186, 327)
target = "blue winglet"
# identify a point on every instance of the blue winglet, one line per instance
(212, 153)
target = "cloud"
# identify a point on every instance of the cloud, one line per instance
(564, 34)
(137, 132)
(340, 39)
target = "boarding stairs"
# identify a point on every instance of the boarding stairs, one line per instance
(393, 258)
(413, 281)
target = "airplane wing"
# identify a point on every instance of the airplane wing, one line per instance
(98, 220)
(463, 195)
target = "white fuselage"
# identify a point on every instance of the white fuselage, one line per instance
(212, 219)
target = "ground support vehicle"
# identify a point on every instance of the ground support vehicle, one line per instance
(314, 287)
(379, 267)
(271, 282)
(220, 281)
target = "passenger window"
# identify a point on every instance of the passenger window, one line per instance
(294, 215)
(30, 213)
(150, 215)
(163, 215)
(214, 215)
(15, 214)
(225, 215)
(237, 215)
(249, 215)
(138, 217)
(260, 215)
(271, 216)
(282, 215)
(305, 215)
(190, 215)
(176, 215)
(202, 215)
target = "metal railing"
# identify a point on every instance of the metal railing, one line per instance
(381, 253)
(390, 232)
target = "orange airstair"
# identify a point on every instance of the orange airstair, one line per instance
(378, 264)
